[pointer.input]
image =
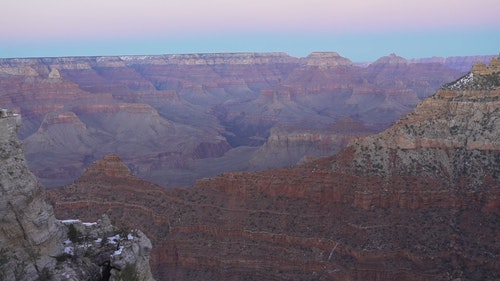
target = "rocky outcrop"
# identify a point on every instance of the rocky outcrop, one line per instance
(419, 201)
(32, 240)
(450, 140)
(99, 251)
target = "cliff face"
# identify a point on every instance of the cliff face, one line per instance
(168, 115)
(32, 240)
(460, 120)
(29, 230)
(419, 201)
(286, 146)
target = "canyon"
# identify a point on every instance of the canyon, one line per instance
(174, 119)
(419, 200)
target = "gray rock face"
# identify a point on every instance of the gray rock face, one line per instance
(34, 245)
(29, 233)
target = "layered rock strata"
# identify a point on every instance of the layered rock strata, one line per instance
(419, 201)
(169, 116)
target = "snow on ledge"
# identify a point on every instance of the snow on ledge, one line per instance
(73, 221)
(118, 252)
(70, 221)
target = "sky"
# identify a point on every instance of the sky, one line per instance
(361, 30)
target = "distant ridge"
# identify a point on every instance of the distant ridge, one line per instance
(461, 63)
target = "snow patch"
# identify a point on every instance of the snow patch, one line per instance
(118, 252)
(69, 250)
(114, 239)
(133, 58)
(462, 82)
(89, 223)
(70, 221)
(130, 237)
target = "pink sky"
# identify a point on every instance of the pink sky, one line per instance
(36, 22)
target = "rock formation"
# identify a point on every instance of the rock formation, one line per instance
(419, 201)
(169, 116)
(326, 59)
(99, 251)
(30, 234)
(33, 243)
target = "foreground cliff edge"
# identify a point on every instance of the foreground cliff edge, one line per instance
(34, 245)
(419, 201)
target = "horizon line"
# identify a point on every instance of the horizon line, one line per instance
(236, 53)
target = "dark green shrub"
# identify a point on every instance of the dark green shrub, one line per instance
(45, 275)
(73, 234)
(63, 257)
(129, 273)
